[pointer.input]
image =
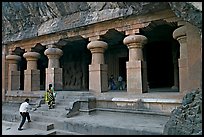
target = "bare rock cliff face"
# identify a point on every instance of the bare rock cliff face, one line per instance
(21, 20)
(189, 11)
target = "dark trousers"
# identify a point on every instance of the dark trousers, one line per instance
(24, 116)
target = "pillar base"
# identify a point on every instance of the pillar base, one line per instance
(14, 80)
(54, 77)
(87, 104)
(136, 83)
(98, 78)
(183, 75)
(31, 80)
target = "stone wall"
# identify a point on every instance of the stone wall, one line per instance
(186, 119)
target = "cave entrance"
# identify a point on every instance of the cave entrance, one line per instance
(161, 54)
(75, 61)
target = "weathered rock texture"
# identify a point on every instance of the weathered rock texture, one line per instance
(186, 119)
(22, 20)
(28, 19)
(189, 11)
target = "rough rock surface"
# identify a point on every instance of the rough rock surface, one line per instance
(29, 19)
(186, 119)
(189, 12)
(22, 20)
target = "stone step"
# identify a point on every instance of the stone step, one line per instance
(110, 126)
(10, 115)
(145, 104)
(71, 94)
(11, 128)
(45, 126)
(138, 111)
(66, 101)
(51, 112)
(10, 125)
(65, 132)
(50, 132)
(7, 123)
(90, 125)
(42, 117)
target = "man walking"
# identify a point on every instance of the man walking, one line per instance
(24, 108)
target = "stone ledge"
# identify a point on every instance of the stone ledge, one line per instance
(139, 111)
(161, 100)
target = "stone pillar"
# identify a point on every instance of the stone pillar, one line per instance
(180, 35)
(175, 53)
(175, 86)
(3, 72)
(54, 72)
(98, 76)
(136, 67)
(13, 73)
(31, 74)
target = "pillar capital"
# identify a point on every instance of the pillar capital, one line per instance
(97, 46)
(135, 41)
(135, 44)
(12, 59)
(13, 62)
(31, 56)
(181, 23)
(97, 49)
(179, 33)
(53, 53)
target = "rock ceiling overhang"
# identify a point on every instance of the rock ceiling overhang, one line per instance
(22, 20)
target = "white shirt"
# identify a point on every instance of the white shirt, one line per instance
(24, 107)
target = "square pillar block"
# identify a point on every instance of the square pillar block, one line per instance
(183, 75)
(136, 78)
(87, 104)
(54, 77)
(14, 80)
(144, 77)
(98, 78)
(31, 80)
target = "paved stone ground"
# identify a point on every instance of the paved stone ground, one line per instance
(142, 123)
(11, 128)
(101, 123)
